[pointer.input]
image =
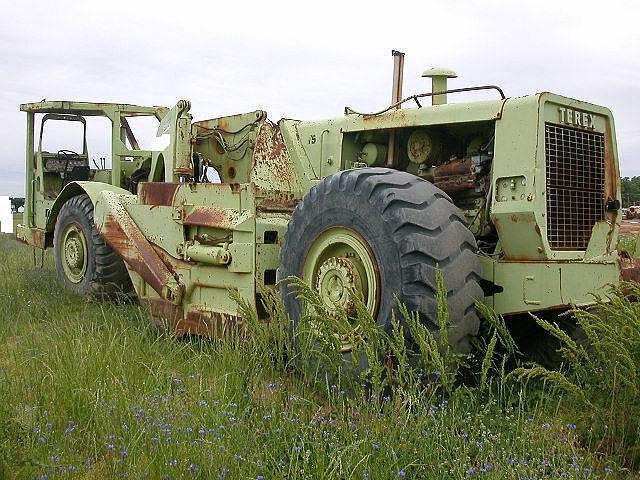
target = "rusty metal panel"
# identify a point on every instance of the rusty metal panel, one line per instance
(123, 235)
(197, 321)
(32, 236)
(212, 216)
(271, 166)
(455, 176)
(157, 193)
(630, 269)
(276, 202)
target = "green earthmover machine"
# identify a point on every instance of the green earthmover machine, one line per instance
(514, 200)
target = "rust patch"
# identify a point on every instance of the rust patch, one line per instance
(454, 177)
(208, 323)
(270, 164)
(194, 187)
(211, 217)
(278, 202)
(123, 235)
(458, 184)
(454, 168)
(392, 118)
(611, 173)
(197, 321)
(157, 193)
(223, 123)
(39, 237)
(173, 262)
(629, 269)
(162, 309)
(537, 229)
(272, 206)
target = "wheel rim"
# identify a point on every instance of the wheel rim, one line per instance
(340, 262)
(74, 253)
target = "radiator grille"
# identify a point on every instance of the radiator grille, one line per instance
(575, 185)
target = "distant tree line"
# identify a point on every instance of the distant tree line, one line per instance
(630, 191)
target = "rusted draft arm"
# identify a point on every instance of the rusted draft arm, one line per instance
(123, 235)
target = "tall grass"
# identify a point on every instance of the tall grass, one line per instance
(601, 378)
(629, 243)
(90, 390)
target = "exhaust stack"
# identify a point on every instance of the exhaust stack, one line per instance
(439, 83)
(396, 96)
(398, 68)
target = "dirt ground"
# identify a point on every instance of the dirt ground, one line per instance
(630, 226)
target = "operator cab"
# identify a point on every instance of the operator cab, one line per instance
(58, 135)
(56, 167)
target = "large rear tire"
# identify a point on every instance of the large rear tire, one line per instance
(384, 233)
(85, 263)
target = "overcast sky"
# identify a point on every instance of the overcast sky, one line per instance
(307, 60)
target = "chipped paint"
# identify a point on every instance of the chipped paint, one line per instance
(629, 269)
(277, 202)
(123, 235)
(157, 193)
(35, 237)
(395, 118)
(456, 184)
(271, 167)
(197, 321)
(212, 217)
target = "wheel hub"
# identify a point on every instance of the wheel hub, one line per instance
(74, 254)
(338, 279)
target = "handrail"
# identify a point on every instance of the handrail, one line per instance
(349, 110)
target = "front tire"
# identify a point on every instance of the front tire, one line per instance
(85, 264)
(390, 231)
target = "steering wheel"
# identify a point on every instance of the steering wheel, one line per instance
(68, 155)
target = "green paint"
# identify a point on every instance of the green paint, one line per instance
(75, 254)
(340, 264)
(266, 168)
